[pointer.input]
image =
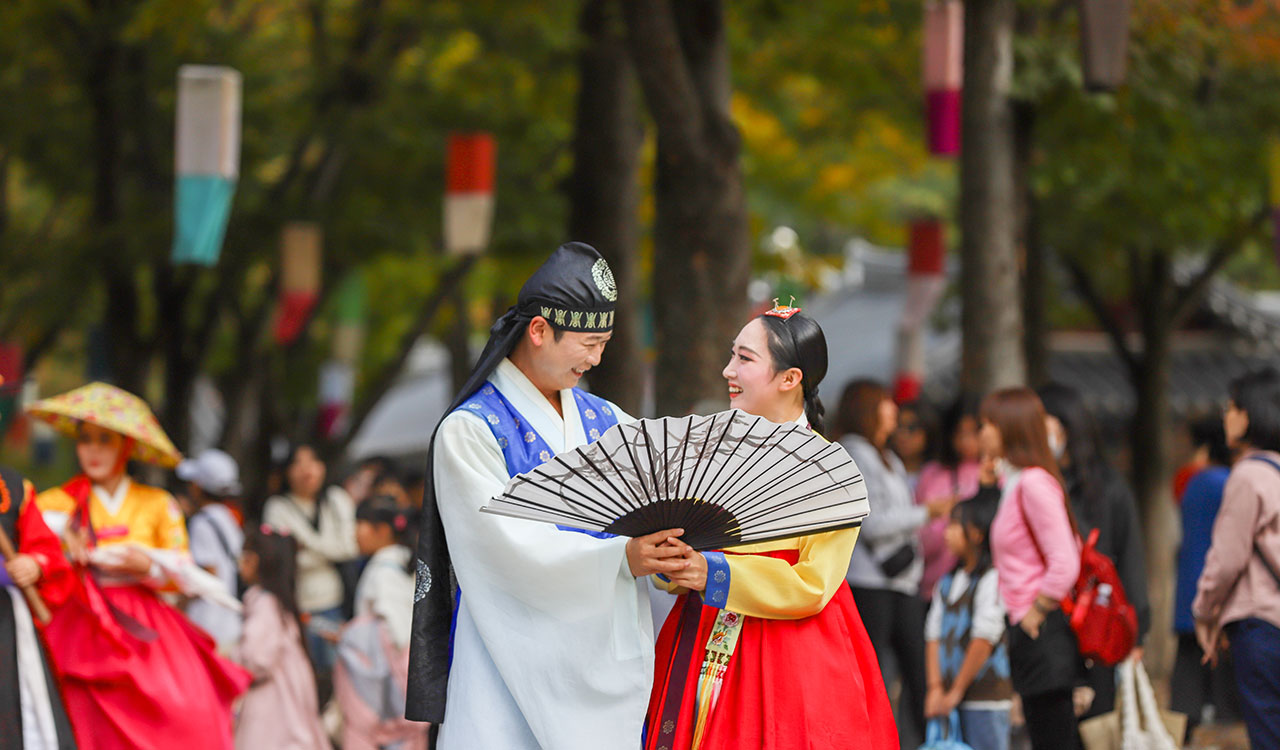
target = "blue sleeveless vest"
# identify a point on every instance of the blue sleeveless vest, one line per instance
(522, 447)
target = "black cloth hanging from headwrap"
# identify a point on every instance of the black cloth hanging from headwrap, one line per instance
(575, 291)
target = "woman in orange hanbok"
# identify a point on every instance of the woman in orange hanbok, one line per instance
(765, 647)
(135, 672)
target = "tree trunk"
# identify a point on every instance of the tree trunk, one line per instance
(1035, 267)
(604, 189)
(701, 245)
(992, 314)
(1149, 435)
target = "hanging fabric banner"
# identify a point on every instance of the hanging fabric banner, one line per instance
(349, 324)
(1104, 43)
(11, 382)
(468, 197)
(926, 281)
(207, 160)
(337, 388)
(300, 247)
(943, 67)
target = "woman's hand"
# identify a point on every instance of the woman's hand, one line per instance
(941, 507)
(132, 562)
(694, 576)
(933, 702)
(23, 569)
(1031, 622)
(660, 552)
(77, 543)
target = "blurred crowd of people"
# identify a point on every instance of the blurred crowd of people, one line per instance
(197, 619)
(979, 511)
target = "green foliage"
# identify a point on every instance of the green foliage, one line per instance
(1173, 163)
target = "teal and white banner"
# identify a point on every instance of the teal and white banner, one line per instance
(206, 160)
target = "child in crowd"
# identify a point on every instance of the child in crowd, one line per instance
(373, 652)
(966, 663)
(281, 709)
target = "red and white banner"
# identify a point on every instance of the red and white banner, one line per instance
(468, 197)
(943, 52)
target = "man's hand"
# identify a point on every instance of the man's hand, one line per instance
(693, 577)
(23, 569)
(660, 552)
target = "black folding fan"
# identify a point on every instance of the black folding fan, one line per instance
(726, 479)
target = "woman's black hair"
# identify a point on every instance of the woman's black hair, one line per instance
(381, 509)
(962, 408)
(277, 554)
(1207, 433)
(1088, 473)
(978, 512)
(798, 342)
(322, 495)
(1258, 395)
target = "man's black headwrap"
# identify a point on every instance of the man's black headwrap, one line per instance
(575, 291)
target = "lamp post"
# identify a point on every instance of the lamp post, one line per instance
(1104, 43)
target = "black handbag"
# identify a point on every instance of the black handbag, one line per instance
(899, 561)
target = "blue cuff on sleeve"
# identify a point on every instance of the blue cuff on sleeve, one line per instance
(717, 593)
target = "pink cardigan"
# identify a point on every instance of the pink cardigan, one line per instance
(1047, 563)
(936, 482)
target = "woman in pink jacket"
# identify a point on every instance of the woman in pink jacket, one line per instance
(1239, 590)
(1037, 558)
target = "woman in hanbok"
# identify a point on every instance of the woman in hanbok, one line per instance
(778, 658)
(31, 713)
(135, 672)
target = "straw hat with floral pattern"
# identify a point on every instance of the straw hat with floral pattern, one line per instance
(114, 409)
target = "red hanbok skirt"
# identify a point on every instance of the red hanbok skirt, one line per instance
(790, 684)
(171, 693)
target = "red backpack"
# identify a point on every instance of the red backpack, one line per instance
(1105, 623)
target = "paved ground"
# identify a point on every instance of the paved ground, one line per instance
(1220, 737)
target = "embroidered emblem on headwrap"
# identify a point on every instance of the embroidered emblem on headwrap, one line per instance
(603, 276)
(422, 584)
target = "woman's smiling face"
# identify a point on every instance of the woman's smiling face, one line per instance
(753, 385)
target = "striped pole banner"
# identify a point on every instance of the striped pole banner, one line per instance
(206, 160)
(468, 197)
(943, 68)
(926, 281)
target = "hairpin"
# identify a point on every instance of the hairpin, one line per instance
(783, 311)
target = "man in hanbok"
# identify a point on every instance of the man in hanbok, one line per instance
(551, 644)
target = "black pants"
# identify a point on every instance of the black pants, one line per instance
(1195, 684)
(895, 625)
(1051, 720)
(1045, 669)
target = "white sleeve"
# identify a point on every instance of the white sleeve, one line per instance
(988, 609)
(534, 563)
(933, 620)
(203, 542)
(623, 417)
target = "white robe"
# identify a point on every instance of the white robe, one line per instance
(554, 643)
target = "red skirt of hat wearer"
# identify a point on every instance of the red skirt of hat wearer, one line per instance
(123, 692)
(134, 671)
(788, 684)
